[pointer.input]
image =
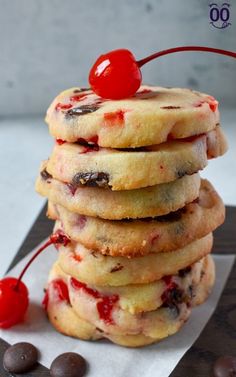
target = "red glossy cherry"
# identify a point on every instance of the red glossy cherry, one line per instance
(14, 302)
(14, 298)
(115, 75)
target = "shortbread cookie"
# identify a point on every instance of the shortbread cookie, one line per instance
(156, 324)
(93, 268)
(163, 322)
(118, 321)
(138, 298)
(115, 205)
(152, 327)
(152, 116)
(126, 170)
(140, 237)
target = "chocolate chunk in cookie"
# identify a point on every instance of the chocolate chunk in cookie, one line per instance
(91, 179)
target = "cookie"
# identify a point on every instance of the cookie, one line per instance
(115, 205)
(117, 321)
(154, 325)
(88, 166)
(138, 298)
(93, 268)
(152, 116)
(65, 320)
(140, 237)
(158, 324)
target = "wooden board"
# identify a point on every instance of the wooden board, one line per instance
(218, 337)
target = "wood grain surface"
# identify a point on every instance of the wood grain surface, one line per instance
(219, 335)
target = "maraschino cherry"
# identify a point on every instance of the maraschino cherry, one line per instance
(117, 74)
(14, 295)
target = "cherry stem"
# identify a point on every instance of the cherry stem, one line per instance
(48, 243)
(185, 48)
(57, 237)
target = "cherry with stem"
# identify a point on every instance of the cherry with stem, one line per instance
(14, 296)
(117, 75)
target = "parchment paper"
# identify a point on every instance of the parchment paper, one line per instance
(105, 358)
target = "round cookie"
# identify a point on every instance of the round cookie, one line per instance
(67, 321)
(140, 237)
(152, 116)
(117, 321)
(94, 268)
(115, 205)
(102, 167)
(138, 298)
(156, 324)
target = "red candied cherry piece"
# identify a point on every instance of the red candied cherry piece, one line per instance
(105, 305)
(213, 105)
(59, 237)
(116, 117)
(115, 75)
(45, 301)
(60, 141)
(61, 290)
(77, 258)
(14, 302)
(63, 106)
(78, 97)
(105, 308)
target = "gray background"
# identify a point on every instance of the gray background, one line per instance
(47, 46)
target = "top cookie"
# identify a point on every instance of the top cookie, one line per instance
(153, 116)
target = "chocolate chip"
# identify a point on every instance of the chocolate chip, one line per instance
(172, 297)
(116, 268)
(80, 90)
(91, 179)
(174, 309)
(68, 364)
(171, 217)
(202, 274)
(45, 175)
(89, 145)
(170, 107)
(99, 330)
(180, 173)
(20, 358)
(81, 110)
(185, 271)
(225, 366)
(190, 292)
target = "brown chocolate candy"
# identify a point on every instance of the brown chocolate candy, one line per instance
(68, 364)
(81, 110)
(91, 179)
(225, 366)
(20, 358)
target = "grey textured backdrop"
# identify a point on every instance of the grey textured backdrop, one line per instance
(47, 46)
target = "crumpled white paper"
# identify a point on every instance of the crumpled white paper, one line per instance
(104, 358)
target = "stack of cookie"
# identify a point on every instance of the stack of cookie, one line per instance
(123, 184)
